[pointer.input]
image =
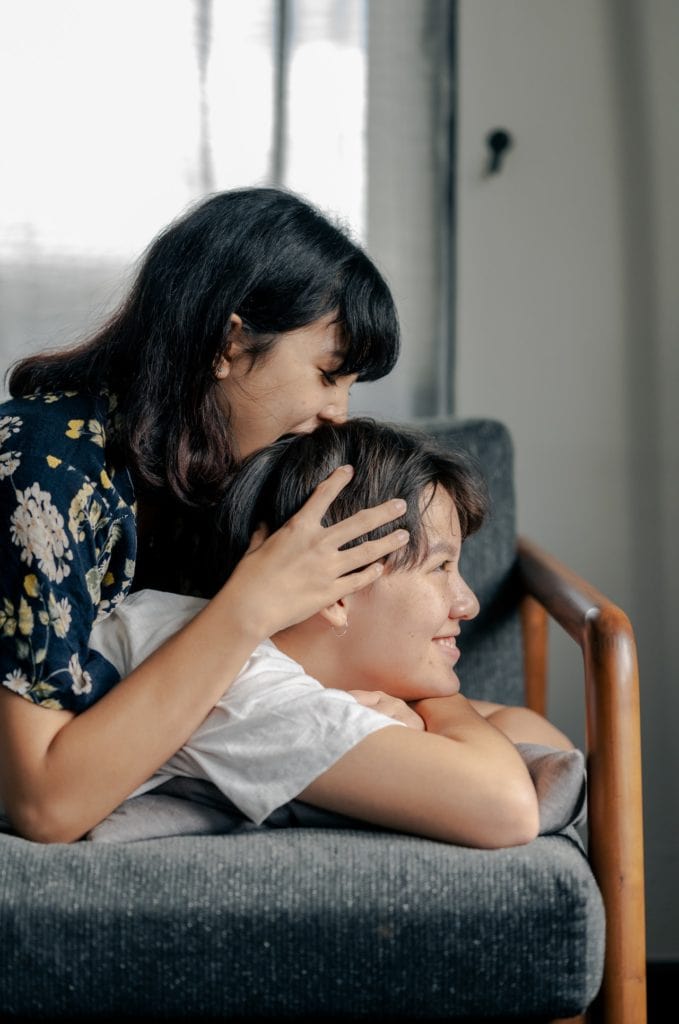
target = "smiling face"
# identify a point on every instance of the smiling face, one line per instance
(402, 631)
(291, 390)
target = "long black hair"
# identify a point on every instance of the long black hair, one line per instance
(261, 253)
(389, 461)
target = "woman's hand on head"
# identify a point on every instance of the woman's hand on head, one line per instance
(290, 575)
(393, 707)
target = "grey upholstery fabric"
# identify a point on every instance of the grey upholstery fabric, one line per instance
(559, 778)
(491, 666)
(298, 921)
(325, 923)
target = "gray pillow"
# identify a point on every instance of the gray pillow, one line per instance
(184, 806)
(560, 780)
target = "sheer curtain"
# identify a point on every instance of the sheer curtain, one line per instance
(117, 114)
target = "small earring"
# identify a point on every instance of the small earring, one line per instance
(221, 370)
(340, 635)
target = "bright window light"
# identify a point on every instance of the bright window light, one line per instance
(105, 123)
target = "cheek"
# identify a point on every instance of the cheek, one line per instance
(284, 406)
(421, 611)
(297, 398)
(397, 606)
(403, 608)
(391, 627)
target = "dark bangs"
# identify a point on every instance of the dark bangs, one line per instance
(333, 277)
(368, 319)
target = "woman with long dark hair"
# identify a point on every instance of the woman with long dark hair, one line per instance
(250, 317)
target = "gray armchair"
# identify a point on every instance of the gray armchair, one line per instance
(360, 924)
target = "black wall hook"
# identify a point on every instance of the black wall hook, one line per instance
(498, 142)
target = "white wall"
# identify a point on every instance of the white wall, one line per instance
(567, 327)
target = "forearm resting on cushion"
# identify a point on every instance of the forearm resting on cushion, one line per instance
(61, 774)
(521, 725)
(466, 785)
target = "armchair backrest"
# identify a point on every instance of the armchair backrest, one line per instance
(491, 667)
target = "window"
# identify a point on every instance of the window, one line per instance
(123, 112)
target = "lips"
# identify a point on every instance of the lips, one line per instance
(448, 645)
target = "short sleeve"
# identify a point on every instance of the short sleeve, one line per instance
(67, 545)
(272, 734)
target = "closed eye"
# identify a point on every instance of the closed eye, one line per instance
(329, 378)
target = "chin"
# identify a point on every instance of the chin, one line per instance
(447, 687)
(451, 686)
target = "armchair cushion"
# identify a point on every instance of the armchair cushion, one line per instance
(299, 921)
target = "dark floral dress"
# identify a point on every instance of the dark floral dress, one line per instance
(68, 540)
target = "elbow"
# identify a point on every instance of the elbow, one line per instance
(503, 816)
(510, 818)
(39, 824)
(525, 826)
(516, 821)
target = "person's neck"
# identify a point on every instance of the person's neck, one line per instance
(310, 644)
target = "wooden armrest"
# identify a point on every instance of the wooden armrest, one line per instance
(615, 824)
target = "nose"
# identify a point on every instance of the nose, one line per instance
(464, 603)
(337, 410)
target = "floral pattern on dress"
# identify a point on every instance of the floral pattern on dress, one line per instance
(9, 460)
(37, 527)
(67, 545)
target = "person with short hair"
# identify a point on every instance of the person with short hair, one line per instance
(355, 709)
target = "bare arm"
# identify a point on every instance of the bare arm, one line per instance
(460, 782)
(521, 725)
(60, 774)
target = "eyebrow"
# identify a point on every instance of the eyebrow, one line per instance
(339, 356)
(442, 548)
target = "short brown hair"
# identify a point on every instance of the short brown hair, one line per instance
(390, 461)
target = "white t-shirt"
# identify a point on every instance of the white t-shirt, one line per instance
(274, 731)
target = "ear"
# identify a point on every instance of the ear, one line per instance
(336, 615)
(234, 346)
